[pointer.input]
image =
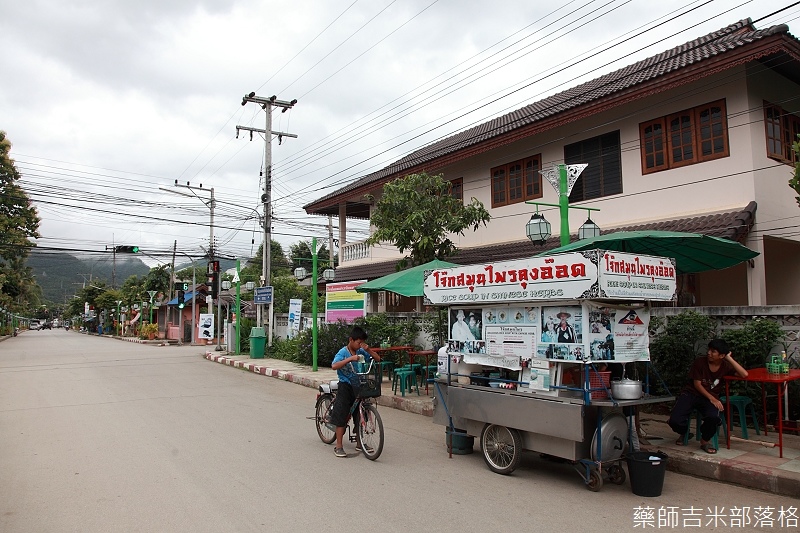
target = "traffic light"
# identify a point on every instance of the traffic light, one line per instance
(181, 287)
(127, 249)
(213, 284)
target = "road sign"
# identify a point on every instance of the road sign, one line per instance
(263, 295)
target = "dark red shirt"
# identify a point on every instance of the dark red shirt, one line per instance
(713, 382)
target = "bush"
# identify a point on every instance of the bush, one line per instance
(331, 337)
(285, 349)
(674, 345)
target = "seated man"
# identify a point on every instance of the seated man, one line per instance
(706, 382)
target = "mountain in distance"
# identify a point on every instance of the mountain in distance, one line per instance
(62, 275)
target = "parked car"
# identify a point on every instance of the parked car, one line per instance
(34, 324)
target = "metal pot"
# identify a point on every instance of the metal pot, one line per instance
(626, 389)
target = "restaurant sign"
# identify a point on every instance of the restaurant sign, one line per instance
(637, 277)
(562, 276)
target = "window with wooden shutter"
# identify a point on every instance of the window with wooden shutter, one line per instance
(603, 175)
(517, 181)
(684, 138)
(782, 129)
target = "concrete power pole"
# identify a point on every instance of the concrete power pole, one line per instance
(267, 104)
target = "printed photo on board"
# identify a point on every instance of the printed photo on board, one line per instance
(562, 325)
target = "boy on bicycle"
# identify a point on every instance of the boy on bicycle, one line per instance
(355, 348)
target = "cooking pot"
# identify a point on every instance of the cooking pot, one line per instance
(626, 389)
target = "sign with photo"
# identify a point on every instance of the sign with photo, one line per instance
(205, 326)
(631, 338)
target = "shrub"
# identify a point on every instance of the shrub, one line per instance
(285, 349)
(674, 345)
(331, 337)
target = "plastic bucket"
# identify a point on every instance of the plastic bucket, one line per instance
(647, 471)
(461, 442)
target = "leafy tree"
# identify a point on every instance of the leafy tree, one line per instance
(157, 279)
(285, 288)
(279, 265)
(417, 213)
(301, 255)
(18, 224)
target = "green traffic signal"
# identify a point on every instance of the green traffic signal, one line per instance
(127, 249)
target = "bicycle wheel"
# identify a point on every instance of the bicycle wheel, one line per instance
(501, 447)
(370, 431)
(327, 433)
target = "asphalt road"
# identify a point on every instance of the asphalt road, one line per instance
(99, 435)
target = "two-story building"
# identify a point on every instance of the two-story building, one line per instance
(697, 138)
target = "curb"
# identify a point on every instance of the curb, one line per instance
(396, 402)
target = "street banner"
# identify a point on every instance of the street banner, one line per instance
(295, 307)
(205, 327)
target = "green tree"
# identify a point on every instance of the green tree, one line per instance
(301, 255)
(19, 223)
(279, 265)
(418, 212)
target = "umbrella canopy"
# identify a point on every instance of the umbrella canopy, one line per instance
(692, 252)
(406, 282)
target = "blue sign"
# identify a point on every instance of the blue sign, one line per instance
(263, 295)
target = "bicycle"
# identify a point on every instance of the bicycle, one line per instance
(368, 432)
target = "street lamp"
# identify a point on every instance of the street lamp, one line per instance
(300, 273)
(538, 229)
(589, 230)
(118, 317)
(562, 178)
(152, 295)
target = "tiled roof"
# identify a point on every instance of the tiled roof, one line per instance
(733, 225)
(735, 36)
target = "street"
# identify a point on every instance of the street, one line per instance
(99, 435)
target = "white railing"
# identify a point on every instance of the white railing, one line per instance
(354, 251)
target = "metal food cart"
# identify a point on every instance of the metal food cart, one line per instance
(528, 340)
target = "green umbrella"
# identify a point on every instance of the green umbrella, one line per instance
(406, 282)
(692, 252)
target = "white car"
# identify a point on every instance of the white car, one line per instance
(34, 324)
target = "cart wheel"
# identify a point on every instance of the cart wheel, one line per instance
(595, 482)
(501, 447)
(616, 474)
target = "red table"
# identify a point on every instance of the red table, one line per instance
(761, 375)
(427, 354)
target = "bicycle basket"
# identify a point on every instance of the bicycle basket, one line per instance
(370, 384)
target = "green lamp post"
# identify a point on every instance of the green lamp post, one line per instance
(562, 178)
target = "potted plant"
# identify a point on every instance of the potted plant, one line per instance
(148, 331)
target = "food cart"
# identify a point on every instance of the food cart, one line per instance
(528, 342)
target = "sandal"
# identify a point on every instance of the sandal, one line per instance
(679, 442)
(708, 448)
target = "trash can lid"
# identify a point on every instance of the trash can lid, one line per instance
(257, 332)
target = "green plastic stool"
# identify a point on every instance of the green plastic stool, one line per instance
(741, 403)
(698, 420)
(404, 379)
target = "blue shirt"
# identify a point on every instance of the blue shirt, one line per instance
(347, 372)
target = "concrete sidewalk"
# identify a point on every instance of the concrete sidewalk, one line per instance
(752, 463)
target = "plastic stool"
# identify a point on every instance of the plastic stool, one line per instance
(386, 366)
(403, 379)
(698, 420)
(741, 403)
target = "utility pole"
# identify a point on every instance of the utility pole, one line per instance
(267, 104)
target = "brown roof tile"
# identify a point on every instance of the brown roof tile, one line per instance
(661, 65)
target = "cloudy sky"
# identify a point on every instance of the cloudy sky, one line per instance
(108, 102)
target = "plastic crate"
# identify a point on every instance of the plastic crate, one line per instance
(601, 381)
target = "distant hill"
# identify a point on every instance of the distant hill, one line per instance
(61, 275)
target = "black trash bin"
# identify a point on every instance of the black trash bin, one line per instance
(647, 471)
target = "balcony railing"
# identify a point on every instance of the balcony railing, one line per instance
(354, 251)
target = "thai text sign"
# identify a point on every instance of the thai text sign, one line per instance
(563, 276)
(342, 302)
(637, 277)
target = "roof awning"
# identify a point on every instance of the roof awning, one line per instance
(187, 297)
